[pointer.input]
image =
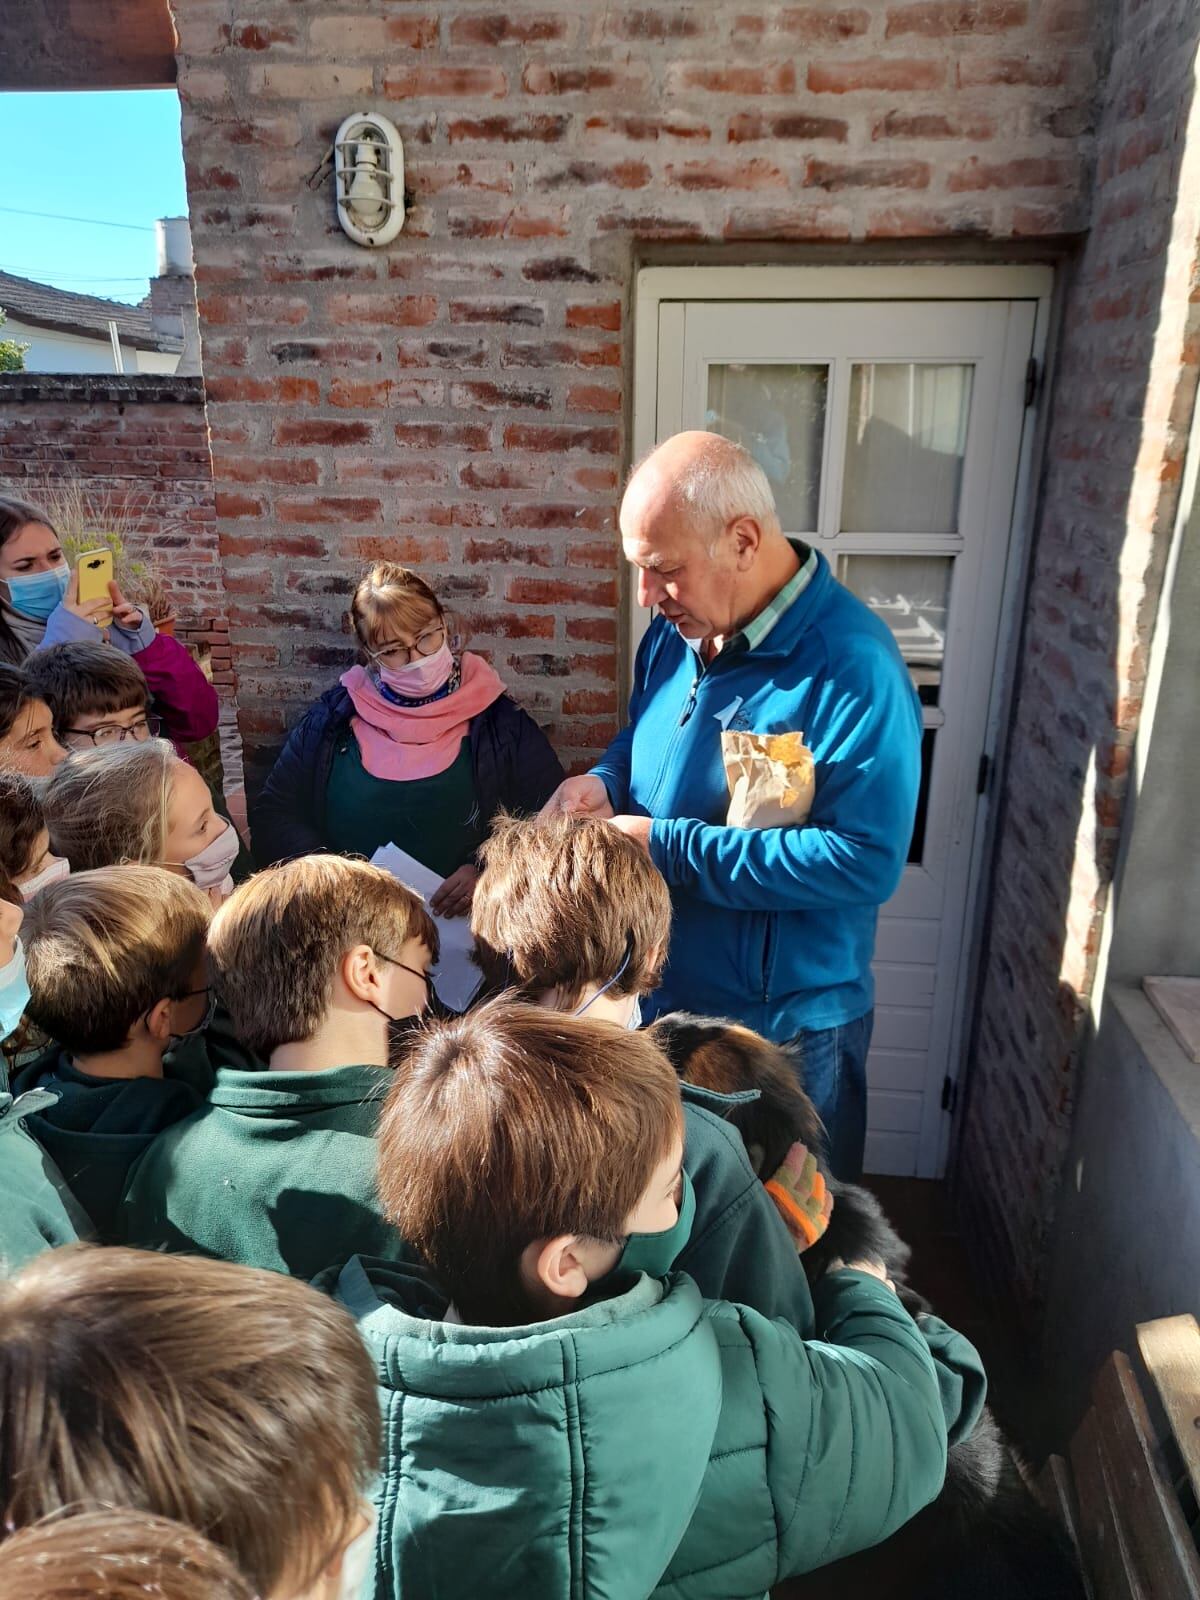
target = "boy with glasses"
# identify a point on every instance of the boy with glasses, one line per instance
(100, 696)
(320, 963)
(116, 971)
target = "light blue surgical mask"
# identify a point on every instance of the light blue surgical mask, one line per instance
(36, 594)
(14, 992)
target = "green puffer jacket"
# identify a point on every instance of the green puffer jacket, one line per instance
(37, 1210)
(652, 1443)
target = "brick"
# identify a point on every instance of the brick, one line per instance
(656, 26)
(223, 310)
(595, 174)
(550, 516)
(535, 436)
(525, 313)
(586, 702)
(348, 394)
(445, 83)
(777, 79)
(344, 36)
(325, 352)
(259, 36)
(939, 19)
(1035, 72)
(254, 469)
(507, 553)
(501, 396)
(520, 222)
(457, 353)
(748, 126)
(932, 125)
(647, 130)
(437, 435)
(754, 174)
(1025, 172)
(593, 397)
(560, 592)
(539, 128)
(607, 316)
(319, 81)
(320, 431)
(541, 77)
(492, 28)
(559, 269)
(237, 505)
(835, 176)
(851, 77)
(382, 311)
(398, 547)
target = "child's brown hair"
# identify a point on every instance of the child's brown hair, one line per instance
(513, 1124)
(108, 806)
(21, 824)
(104, 947)
(116, 1554)
(561, 902)
(389, 597)
(236, 1401)
(276, 942)
(85, 679)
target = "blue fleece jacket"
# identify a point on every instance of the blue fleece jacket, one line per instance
(775, 926)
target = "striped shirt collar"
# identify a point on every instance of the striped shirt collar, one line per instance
(757, 629)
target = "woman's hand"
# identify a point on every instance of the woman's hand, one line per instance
(95, 611)
(124, 613)
(584, 796)
(454, 897)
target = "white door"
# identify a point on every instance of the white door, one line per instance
(891, 433)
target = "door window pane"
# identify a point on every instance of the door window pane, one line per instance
(912, 595)
(916, 848)
(777, 410)
(905, 442)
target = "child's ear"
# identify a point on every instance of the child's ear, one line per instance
(158, 1022)
(360, 972)
(555, 1266)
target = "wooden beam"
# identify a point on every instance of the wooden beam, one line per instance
(87, 44)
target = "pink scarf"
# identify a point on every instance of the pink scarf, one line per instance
(406, 742)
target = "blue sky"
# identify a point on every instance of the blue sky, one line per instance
(112, 157)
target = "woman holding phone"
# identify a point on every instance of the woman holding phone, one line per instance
(419, 745)
(40, 607)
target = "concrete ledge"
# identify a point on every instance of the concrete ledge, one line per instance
(142, 388)
(1160, 1051)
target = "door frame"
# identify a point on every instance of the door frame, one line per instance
(658, 288)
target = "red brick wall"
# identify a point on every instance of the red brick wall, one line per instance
(1123, 398)
(141, 447)
(459, 399)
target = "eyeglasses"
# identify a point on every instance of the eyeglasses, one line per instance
(400, 655)
(117, 732)
(416, 972)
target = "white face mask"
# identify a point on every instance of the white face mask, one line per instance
(634, 1021)
(209, 867)
(358, 1562)
(58, 869)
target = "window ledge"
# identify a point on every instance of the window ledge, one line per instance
(1160, 1051)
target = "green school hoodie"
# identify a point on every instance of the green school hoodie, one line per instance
(276, 1170)
(652, 1443)
(37, 1210)
(96, 1128)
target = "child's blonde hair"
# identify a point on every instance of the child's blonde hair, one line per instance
(108, 806)
(276, 942)
(389, 596)
(562, 901)
(103, 947)
(116, 1554)
(236, 1401)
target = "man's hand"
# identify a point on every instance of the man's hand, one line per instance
(454, 897)
(635, 828)
(124, 613)
(579, 797)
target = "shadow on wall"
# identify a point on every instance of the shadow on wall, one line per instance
(1122, 401)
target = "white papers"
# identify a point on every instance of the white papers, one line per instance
(457, 975)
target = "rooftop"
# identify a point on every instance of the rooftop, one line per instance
(47, 307)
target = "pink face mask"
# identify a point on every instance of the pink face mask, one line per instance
(425, 675)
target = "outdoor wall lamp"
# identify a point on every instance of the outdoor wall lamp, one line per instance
(368, 165)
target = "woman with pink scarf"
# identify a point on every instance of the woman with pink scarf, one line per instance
(418, 746)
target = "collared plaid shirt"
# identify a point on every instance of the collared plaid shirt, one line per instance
(757, 629)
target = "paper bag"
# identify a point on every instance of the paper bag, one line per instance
(770, 778)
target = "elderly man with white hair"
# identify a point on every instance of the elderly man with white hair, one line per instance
(773, 925)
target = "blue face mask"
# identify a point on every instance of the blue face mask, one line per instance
(36, 594)
(14, 992)
(657, 1253)
(616, 978)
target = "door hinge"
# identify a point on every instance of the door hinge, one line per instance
(1031, 381)
(983, 776)
(949, 1094)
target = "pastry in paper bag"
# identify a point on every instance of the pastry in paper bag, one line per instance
(770, 778)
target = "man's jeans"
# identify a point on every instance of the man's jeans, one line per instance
(832, 1065)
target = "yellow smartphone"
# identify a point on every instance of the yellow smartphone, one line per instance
(95, 569)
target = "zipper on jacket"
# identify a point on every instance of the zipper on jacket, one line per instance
(690, 704)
